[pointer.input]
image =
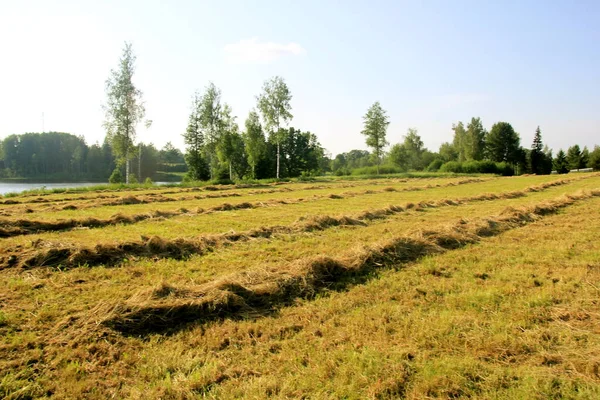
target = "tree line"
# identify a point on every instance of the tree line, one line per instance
(63, 156)
(473, 149)
(216, 147)
(265, 146)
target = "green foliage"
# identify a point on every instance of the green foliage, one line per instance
(474, 140)
(536, 156)
(435, 165)
(194, 140)
(478, 167)
(503, 143)
(561, 164)
(132, 179)
(350, 160)
(448, 152)
(376, 123)
(169, 154)
(452, 166)
(254, 140)
(148, 182)
(55, 155)
(459, 142)
(204, 131)
(585, 157)
(575, 158)
(410, 154)
(398, 156)
(124, 108)
(302, 153)
(231, 148)
(377, 170)
(274, 105)
(594, 159)
(468, 144)
(116, 176)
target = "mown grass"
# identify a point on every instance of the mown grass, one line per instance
(513, 316)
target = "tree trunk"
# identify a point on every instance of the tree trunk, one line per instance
(277, 160)
(140, 164)
(127, 167)
(230, 172)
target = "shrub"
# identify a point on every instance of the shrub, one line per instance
(133, 179)
(435, 165)
(505, 169)
(148, 182)
(116, 176)
(222, 181)
(342, 171)
(383, 170)
(452, 166)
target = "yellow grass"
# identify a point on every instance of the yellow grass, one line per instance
(483, 298)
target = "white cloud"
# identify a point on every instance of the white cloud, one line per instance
(253, 51)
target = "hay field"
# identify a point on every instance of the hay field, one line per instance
(482, 287)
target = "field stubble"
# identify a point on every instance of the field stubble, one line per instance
(443, 299)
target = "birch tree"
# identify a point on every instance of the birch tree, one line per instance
(124, 109)
(274, 105)
(211, 122)
(376, 122)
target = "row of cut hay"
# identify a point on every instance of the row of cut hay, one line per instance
(167, 309)
(47, 254)
(102, 193)
(114, 200)
(11, 228)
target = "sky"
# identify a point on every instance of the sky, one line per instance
(429, 63)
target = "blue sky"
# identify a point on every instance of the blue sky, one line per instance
(429, 63)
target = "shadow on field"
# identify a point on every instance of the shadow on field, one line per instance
(46, 254)
(166, 310)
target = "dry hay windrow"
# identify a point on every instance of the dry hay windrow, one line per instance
(114, 200)
(167, 309)
(48, 254)
(270, 188)
(10, 228)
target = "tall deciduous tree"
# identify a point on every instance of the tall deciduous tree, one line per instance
(503, 143)
(460, 141)
(376, 122)
(230, 147)
(254, 139)
(414, 149)
(194, 141)
(274, 105)
(210, 113)
(448, 152)
(475, 140)
(124, 109)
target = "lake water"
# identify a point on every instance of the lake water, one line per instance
(6, 187)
